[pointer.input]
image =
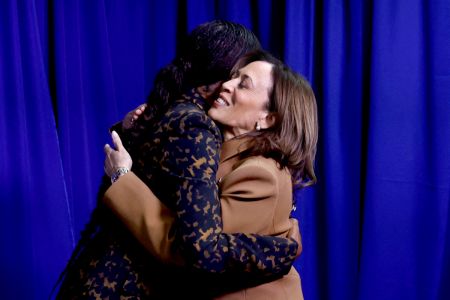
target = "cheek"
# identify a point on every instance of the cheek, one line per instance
(253, 104)
(250, 111)
(244, 119)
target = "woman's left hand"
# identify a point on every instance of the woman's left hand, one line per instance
(116, 159)
(294, 233)
(130, 118)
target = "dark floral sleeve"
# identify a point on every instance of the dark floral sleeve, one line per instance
(191, 160)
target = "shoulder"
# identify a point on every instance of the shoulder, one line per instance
(258, 174)
(182, 107)
(262, 166)
(185, 110)
(187, 116)
(191, 143)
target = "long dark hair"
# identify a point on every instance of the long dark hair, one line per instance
(206, 56)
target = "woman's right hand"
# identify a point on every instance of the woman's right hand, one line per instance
(130, 118)
(116, 158)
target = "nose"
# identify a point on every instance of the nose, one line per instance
(227, 86)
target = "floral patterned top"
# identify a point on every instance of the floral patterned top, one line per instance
(177, 157)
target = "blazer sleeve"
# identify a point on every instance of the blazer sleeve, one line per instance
(148, 219)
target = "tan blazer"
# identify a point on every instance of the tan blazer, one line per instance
(256, 197)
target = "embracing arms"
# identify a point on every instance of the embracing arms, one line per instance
(198, 222)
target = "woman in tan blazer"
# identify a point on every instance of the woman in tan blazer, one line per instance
(269, 121)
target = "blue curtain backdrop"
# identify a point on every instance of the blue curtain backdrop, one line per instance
(376, 226)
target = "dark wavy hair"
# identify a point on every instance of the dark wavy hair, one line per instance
(292, 140)
(206, 56)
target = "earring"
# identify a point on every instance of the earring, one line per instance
(258, 127)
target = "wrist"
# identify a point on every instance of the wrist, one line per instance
(119, 172)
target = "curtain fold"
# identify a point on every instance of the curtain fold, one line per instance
(408, 159)
(36, 231)
(376, 226)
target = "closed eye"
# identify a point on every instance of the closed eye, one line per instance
(246, 82)
(243, 84)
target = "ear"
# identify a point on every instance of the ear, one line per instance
(268, 120)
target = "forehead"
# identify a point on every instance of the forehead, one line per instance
(259, 71)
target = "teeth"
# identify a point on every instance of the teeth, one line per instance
(221, 101)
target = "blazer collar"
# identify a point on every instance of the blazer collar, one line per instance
(234, 147)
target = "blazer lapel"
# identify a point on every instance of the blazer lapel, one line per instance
(229, 155)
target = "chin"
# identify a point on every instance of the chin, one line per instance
(212, 114)
(214, 111)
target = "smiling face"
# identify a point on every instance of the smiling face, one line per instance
(244, 99)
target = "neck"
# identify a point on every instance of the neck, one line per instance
(227, 136)
(231, 133)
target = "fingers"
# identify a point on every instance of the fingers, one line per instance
(138, 112)
(140, 109)
(294, 233)
(116, 141)
(131, 117)
(294, 222)
(116, 158)
(107, 149)
(107, 167)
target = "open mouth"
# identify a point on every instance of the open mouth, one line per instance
(221, 102)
